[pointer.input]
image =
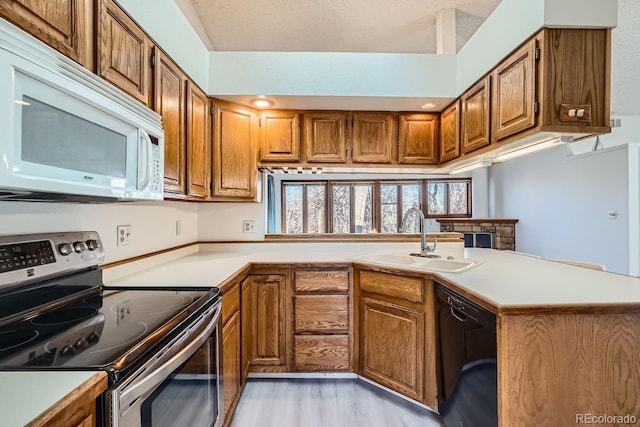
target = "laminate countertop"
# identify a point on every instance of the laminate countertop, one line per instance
(502, 281)
(34, 398)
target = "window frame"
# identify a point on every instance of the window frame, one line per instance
(376, 201)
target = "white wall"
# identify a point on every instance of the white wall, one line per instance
(562, 204)
(223, 221)
(153, 224)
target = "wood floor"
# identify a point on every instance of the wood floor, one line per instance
(325, 403)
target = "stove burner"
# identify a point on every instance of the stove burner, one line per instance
(156, 303)
(65, 315)
(12, 339)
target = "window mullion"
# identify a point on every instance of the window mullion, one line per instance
(399, 207)
(305, 210)
(352, 209)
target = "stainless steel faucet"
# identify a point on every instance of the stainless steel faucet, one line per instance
(424, 247)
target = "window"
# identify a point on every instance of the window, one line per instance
(342, 207)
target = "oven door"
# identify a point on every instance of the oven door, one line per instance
(179, 386)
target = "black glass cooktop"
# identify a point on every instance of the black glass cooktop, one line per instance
(97, 330)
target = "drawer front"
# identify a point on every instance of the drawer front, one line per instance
(321, 281)
(321, 313)
(321, 353)
(391, 285)
(230, 303)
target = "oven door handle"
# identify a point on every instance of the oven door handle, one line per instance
(150, 381)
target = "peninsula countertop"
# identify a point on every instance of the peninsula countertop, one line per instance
(502, 280)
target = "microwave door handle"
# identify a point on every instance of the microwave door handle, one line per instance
(151, 380)
(144, 152)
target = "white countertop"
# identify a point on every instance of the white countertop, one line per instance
(502, 279)
(26, 395)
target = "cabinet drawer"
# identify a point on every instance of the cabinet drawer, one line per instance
(230, 303)
(321, 353)
(321, 281)
(391, 285)
(321, 313)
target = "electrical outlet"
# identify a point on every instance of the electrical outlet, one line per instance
(248, 226)
(178, 227)
(124, 234)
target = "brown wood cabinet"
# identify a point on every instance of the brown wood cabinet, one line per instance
(322, 324)
(418, 139)
(123, 52)
(235, 172)
(263, 318)
(373, 137)
(514, 93)
(396, 332)
(65, 25)
(231, 346)
(450, 132)
(476, 120)
(170, 85)
(198, 142)
(325, 138)
(279, 136)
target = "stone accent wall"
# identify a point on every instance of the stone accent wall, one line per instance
(504, 230)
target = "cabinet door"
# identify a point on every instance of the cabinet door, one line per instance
(235, 172)
(169, 102)
(198, 142)
(124, 51)
(325, 138)
(418, 139)
(231, 361)
(65, 25)
(373, 137)
(475, 116)
(514, 92)
(392, 340)
(325, 353)
(450, 132)
(279, 136)
(266, 322)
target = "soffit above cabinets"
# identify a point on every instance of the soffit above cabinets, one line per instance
(371, 26)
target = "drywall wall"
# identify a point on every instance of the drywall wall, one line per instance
(153, 223)
(563, 203)
(222, 222)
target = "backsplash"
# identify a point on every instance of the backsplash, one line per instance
(504, 229)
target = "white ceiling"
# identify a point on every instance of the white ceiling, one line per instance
(372, 26)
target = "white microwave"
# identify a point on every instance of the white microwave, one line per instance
(65, 134)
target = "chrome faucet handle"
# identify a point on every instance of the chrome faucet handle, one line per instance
(428, 248)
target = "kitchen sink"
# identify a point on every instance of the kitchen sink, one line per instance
(443, 265)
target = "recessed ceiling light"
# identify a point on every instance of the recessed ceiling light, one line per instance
(428, 106)
(261, 102)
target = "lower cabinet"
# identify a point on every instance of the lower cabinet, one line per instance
(396, 332)
(231, 346)
(263, 323)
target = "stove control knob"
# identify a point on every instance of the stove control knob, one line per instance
(79, 246)
(92, 245)
(81, 343)
(67, 350)
(65, 249)
(93, 337)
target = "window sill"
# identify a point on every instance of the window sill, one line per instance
(373, 237)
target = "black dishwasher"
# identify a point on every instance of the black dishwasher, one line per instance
(467, 368)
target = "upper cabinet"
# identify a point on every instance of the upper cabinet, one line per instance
(279, 136)
(450, 132)
(65, 25)
(418, 139)
(325, 137)
(198, 142)
(170, 102)
(514, 92)
(235, 172)
(123, 52)
(475, 104)
(373, 137)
